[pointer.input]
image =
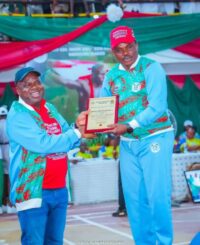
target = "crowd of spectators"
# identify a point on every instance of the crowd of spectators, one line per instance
(75, 7)
(109, 149)
(186, 142)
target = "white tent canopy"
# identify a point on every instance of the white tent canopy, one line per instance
(176, 63)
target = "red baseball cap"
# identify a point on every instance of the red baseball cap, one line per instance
(121, 34)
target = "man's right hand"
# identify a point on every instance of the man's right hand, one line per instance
(117, 129)
(81, 122)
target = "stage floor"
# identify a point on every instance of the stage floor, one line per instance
(94, 225)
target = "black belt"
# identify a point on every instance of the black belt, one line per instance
(6, 143)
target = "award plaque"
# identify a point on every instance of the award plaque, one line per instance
(103, 112)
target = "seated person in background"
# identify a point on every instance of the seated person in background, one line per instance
(186, 124)
(77, 7)
(17, 8)
(191, 143)
(111, 149)
(59, 8)
(33, 8)
(106, 3)
(84, 151)
(189, 7)
(4, 8)
(37, 8)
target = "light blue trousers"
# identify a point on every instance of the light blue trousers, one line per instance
(146, 179)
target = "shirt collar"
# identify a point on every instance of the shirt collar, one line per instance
(21, 101)
(132, 66)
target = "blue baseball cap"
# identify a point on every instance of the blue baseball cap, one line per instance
(22, 73)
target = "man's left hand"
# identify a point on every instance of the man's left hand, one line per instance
(81, 119)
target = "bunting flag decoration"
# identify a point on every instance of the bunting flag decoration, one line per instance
(153, 32)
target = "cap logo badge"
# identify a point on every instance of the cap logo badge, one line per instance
(120, 34)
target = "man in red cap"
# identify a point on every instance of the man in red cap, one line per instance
(147, 137)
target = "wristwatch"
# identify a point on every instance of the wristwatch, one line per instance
(129, 129)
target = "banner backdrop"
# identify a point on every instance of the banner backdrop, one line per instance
(71, 74)
(74, 72)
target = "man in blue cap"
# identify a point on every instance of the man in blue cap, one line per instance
(39, 141)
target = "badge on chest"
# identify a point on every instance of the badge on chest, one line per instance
(136, 87)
